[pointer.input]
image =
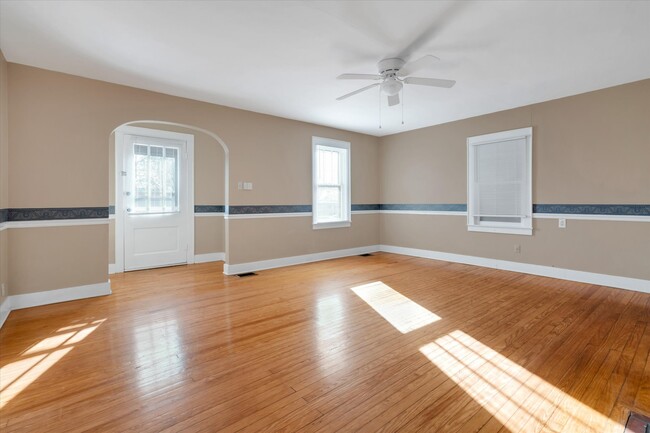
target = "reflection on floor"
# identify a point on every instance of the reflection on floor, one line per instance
(380, 343)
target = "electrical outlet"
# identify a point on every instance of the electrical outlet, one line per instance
(561, 223)
(248, 186)
(518, 249)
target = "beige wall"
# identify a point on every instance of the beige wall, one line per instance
(283, 237)
(4, 173)
(58, 132)
(48, 258)
(592, 148)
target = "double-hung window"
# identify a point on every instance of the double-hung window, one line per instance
(499, 182)
(330, 183)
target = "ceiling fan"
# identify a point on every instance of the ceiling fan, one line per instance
(393, 75)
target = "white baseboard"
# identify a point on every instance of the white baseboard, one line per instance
(526, 268)
(209, 257)
(5, 309)
(59, 295)
(296, 260)
(198, 258)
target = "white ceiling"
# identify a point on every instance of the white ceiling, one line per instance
(282, 58)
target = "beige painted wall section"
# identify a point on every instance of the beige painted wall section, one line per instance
(209, 235)
(4, 173)
(48, 258)
(59, 126)
(591, 148)
(4, 135)
(287, 237)
(604, 247)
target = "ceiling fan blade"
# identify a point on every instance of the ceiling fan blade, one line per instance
(359, 77)
(435, 82)
(363, 89)
(417, 65)
(393, 100)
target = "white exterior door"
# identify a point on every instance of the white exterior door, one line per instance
(156, 201)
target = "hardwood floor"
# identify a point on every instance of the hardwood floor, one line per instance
(380, 343)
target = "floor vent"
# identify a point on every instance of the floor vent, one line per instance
(246, 274)
(637, 423)
(365, 255)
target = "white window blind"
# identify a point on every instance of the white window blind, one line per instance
(331, 181)
(499, 182)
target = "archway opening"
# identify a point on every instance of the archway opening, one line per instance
(211, 186)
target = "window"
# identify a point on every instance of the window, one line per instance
(155, 178)
(499, 182)
(331, 183)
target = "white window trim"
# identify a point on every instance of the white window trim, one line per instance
(526, 226)
(120, 134)
(347, 217)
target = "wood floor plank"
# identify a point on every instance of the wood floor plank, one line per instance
(295, 349)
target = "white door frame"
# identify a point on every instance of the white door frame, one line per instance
(119, 186)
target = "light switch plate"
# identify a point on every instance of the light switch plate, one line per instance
(561, 223)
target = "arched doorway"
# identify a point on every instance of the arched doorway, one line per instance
(210, 193)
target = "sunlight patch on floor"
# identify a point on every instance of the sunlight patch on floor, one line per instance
(401, 312)
(517, 398)
(17, 376)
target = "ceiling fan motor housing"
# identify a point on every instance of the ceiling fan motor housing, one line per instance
(388, 67)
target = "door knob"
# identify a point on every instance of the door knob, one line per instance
(127, 193)
(128, 209)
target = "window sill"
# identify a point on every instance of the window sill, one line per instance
(332, 225)
(504, 230)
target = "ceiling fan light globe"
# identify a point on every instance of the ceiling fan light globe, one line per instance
(391, 87)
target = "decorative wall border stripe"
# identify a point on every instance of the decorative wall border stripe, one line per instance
(209, 208)
(365, 207)
(267, 209)
(56, 213)
(430, 207)
(593, 209)
(596, 212)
